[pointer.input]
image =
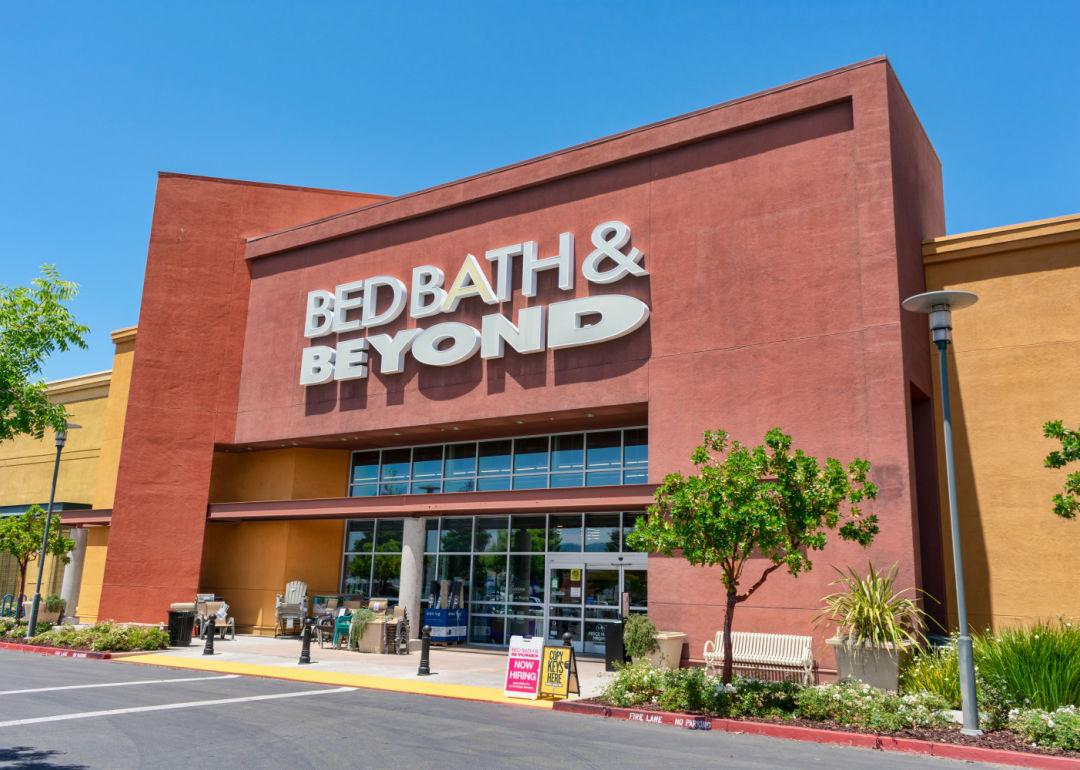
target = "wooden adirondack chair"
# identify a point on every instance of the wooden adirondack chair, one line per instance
(292, 605)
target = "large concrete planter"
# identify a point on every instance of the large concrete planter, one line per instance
(43, 615)
(374, 636)
(670, 649)
(876, 666)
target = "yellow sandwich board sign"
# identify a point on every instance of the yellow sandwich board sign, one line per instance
(558, 672)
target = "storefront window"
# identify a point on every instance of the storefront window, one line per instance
(491, 534)
(359, 536)
(599, 458)
(604, 450)
(489, 584)
(456, 535)
(601, 532)
(636, 456)
(372, 562)
(357, 578)
(495, 567)
(527, 534)
(460, 460)
(495, 457)
(564, 533)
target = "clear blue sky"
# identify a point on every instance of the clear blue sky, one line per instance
(391, 97)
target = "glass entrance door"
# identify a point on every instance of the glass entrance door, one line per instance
(583, 595)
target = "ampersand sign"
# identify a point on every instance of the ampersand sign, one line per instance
(610, 238)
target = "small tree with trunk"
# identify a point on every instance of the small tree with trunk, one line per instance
(21, 537)
(763, 501)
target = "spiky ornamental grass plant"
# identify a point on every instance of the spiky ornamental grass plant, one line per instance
(1039, 665)
(1034, 667)
(871, 612)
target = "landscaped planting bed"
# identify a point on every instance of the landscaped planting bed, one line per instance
(847, 706)
(100, 637)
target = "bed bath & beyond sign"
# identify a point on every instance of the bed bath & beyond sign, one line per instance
(381, 299)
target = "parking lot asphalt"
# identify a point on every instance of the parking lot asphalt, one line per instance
(74, 713)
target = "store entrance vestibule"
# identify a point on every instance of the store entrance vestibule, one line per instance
(583, 595)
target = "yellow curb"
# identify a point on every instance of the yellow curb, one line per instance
(314, 676)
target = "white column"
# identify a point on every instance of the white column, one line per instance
(412, 572)
(69, 587)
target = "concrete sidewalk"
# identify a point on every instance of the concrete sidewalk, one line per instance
(467, 674)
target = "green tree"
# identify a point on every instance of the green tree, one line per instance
(34, 322)
(1067, 502)
(755, 501)
(21, 537)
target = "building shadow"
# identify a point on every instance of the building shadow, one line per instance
(980, 607)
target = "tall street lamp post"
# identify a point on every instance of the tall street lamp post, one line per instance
(939, 305)
(61, 439)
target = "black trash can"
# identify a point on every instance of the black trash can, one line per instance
(614, 652)
(181, 624)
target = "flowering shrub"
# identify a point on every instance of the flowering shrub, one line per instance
(1059, 729)
(758, 698)
(691, 689)
(849, 703)
(105, 636)
(860, 705)
(10, 631)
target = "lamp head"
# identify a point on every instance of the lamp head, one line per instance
(939, 306)
(61, 435)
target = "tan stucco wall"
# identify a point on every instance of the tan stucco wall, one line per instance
(279, 474)
(26, 464)
(1015, 364)
(112, 433)
(249, 563)
(97, 545)
(88, 464)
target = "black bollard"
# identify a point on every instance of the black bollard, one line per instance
(305, 643)
(425, 652)
(566, 640)
(208, 649)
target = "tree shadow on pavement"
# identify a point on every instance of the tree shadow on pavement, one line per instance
(28, 757)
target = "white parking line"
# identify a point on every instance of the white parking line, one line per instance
(169, 706)
(118, 684)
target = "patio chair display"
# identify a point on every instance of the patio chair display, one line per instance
(290, 608)
(323, 625)
(224, 624)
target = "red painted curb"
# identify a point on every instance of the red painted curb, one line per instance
(60, 652)
(816, 735)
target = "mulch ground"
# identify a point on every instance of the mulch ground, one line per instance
(1001, 740)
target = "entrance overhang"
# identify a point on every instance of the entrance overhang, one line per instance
(619, 498)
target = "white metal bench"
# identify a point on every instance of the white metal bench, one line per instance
(780, 653)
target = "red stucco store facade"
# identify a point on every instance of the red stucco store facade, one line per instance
(779, 232)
